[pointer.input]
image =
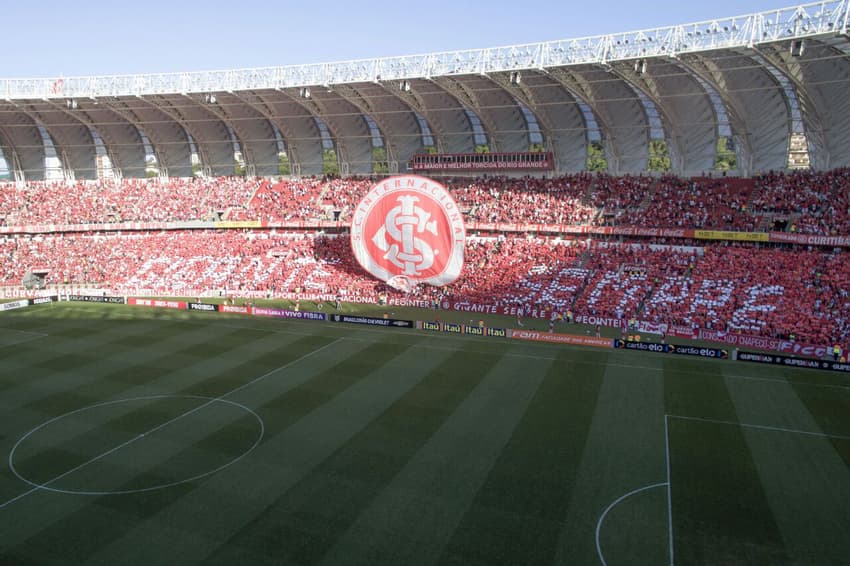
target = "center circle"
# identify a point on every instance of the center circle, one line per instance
(136, 438)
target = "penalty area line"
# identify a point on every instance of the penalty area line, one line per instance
(759, 427)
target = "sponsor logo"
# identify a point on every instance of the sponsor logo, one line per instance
(157, 303)
(600, 320)
(42, 300)
(574, 339)
(14, 305)
(809, 363)
(642, 346)
(96, 299)
(432, 326)
(202, 307)
(672, 349)
(453, 328)
(762, 343)
(234, 309)
(284, 313)
(409, 230)
(810, 239)
(372, 321)
(474, 330)
(497, 332)
(701, 352)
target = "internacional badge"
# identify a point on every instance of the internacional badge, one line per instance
(408, 230)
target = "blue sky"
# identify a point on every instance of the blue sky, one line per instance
(51, 38)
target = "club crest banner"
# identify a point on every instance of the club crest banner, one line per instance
(408, 230)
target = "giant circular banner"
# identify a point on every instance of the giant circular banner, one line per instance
(409, 230)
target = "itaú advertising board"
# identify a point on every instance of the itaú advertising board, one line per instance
(408, 230)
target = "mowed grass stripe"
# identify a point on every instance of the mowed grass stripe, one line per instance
(90, 361)
(144, 366)
(721, 514)
(53, 358)
(624, 450)
(416, 514)
(301, 525)
(181, 377)
(517, 515)
(179, 451)
(812, 515)
(54, 397)
(702, 394)
(302, 442)
(830, 409)
(70, 445)
(720, 510)
(30, 512)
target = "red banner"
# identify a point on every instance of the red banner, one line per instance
(494, 309)
(574, 339)
(810, 239)
(634, 231)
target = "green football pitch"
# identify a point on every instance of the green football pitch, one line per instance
(139, 436)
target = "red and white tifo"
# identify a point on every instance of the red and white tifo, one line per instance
(408, 230)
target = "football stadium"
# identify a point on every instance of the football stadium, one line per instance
(583, 301)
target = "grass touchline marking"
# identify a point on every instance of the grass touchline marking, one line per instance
(611, 506)
(760, 427)
(548, 347)
(170, 421)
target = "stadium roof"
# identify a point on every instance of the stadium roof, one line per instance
(772, 84)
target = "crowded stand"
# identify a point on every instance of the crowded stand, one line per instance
(286, 200)
(528, 200)
(807, 202)
(756, 289)
(801, 202)
(716, 204)
(615, 196)
(787, 293)
(109, 201)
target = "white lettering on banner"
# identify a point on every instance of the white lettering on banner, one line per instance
(762, 343)
(650, 327)
(711, 295)
(529, 312)
(631, 288)
(750, 316)
(561, 289)
(407, 230)
(14, 305)
(674, 290)
(811, 240)
(316, 280)
(405, 302)
(598, 320)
